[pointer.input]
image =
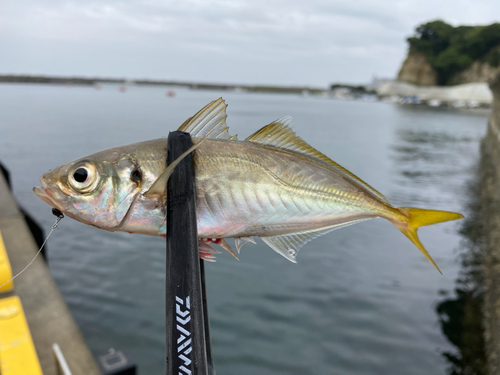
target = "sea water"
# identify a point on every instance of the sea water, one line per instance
(360, 300)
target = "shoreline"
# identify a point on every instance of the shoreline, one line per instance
(343, 92)
(125, 81)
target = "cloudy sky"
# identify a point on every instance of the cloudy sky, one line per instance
(285, 42)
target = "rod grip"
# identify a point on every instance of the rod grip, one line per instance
(186, 349)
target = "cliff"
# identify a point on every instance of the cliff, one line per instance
(444, 55)
(479, 71)
(417, 70)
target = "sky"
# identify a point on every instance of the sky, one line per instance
(277, 42)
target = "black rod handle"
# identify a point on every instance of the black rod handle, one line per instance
(186, 348)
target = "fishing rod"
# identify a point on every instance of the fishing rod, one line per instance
(188, 348)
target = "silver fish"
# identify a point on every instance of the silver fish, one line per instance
(272, 185)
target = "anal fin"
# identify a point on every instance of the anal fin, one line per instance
(288, 245)
(241, 241)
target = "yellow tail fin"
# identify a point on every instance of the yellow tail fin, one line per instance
(418, 217)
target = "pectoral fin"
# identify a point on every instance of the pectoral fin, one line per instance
(159, 186)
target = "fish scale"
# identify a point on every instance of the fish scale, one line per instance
(294, 191)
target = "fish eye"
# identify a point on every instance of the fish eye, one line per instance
(80, 175)
(83, 177)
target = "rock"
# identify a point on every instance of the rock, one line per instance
(417, 70)
(478, 72)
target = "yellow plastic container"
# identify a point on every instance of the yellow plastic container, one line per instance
(5, 269)
(17, 351)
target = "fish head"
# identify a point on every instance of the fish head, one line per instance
(98, 190)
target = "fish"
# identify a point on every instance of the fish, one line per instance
(272, 185)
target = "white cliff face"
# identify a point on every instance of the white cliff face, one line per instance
(478, 92)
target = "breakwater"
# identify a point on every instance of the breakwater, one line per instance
(477, 92)
(69, 81)
(490, 214)
(48, 317)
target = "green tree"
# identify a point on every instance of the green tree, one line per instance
(450, 62)
(452, 49)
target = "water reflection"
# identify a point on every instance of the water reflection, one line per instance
(460, 314)
(419, 152)
(432, 160)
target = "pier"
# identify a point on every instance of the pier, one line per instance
(47, 314)
(490, 212)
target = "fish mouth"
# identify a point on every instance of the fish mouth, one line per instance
(43, 194)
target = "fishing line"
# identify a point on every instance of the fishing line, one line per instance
(59, 216)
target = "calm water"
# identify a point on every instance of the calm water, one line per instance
(360, 300)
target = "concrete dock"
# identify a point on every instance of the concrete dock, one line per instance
(490, 212)
(49, 318)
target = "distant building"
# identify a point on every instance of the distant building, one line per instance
(376, 82)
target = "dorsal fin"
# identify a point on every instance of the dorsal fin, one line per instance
(279, 134)
(212, 116)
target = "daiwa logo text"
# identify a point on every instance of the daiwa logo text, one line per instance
(184, 339)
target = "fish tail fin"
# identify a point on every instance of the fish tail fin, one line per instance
(419, 217)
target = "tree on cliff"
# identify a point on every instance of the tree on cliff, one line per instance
(452, 49)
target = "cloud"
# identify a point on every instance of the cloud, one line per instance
(274, 41)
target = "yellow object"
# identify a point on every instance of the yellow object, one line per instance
(419, 217)
(5, 269)
(17, 351)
